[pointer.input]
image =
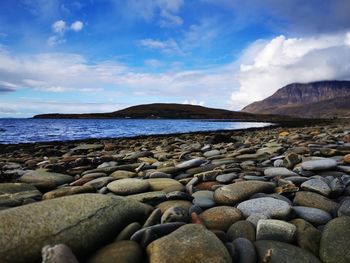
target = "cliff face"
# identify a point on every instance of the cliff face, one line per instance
(314, 100)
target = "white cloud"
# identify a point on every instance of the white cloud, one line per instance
(169, 46)
(153, 63)
(194, 102)
(59, 26)
(77, 26)
(347, 39)
(282, 61)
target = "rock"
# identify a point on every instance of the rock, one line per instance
(344, 209)
(69, 190)
(271, 229)
(128, 231)
(319, 165)
(211, 153)
(122, 252)
(159, 184)
(316, 185)
(313, 215)
(153, 219)
(307, 236)
(146, 235)
(99, 182)
(243, 229)
(256, 217)
(189, 243)
(266, 205)
(120, 174)
(45, 180)
(226, 178)
(245, 251)
(278, 171)
(233, 193)
(346, 158)
(152, 198)
(204, 199)
(191, 163)
(13, 194)
(175, 214)
(83, 222)
(279, 252)
(220, 217)
(315, 200)
(178, 195)
(58, 254)
(180, 203)
(88, 147)
(291, 160)
(335, 241)
(128, 186)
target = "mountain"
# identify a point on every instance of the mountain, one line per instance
(321, 99)
(165, 111)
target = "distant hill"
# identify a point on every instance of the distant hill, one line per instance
(321, 99)
(164, 111)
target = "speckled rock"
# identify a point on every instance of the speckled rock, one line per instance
(45, 180)
(33, 226)
(13, 194)
(316, 185)
(266, 205)
(122, 252)
(315, 200)
(335, 241)
(189, 243)
(243, 229)
(271, 229)
(283, 253)
(220, 217)
(278, 171)
(313, 215)
(128, 186)
(233, 193)
(318, 165)
(58, 254)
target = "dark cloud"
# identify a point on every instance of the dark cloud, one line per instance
(5, 89)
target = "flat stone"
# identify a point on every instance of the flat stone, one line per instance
(233, 193)
(58, 254)
(69, 190)
(220, 217)
(278, 171)
(316, 185)
(315, 200)
(122, 252)
(280, 252)
(88, 147)
(83, 222)
(151, 198)
(319, 165)
(335, 241)
(313, 215)
(45, 180)
(175, 214)
(211, 153)
(100, 182)
(128, 186)
(159, 184)
(256, 217)
(307, 236)
(271, 229)
(245, 251)
(266, 205)
(191, 163)
(189, 243)
(121, 174)
(243, 229)
(226, 178)
(13, 194)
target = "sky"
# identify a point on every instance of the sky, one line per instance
(66, 56)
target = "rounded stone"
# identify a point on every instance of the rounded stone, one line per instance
(83, 222)
(233, 193)
(266, 205)
(121, 174)
(122, 252)
(271, 229)
(159, 184)
(243, 229)
(128, 186)
(318, 165)
(175, 214)
(315, 200)
(245, 251)
(316, 185)
(335, 241)
(128, 231)
(344, 209)
(59, 253)
(280, 252)
(190, 243)
(278, 171)
(220, 217)
(69, 190)
(45, 180)
(307, 236)
(179, 203)
(226, 178)
(313, 215)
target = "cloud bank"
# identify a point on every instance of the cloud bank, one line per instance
(270, 65)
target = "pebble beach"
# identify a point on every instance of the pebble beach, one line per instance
(273, 194)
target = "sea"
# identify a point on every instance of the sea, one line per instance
(13, 131)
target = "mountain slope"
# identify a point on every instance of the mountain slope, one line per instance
(322, 99)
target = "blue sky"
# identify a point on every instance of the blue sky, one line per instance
(104, 55)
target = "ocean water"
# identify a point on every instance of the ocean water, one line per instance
(40, 130)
